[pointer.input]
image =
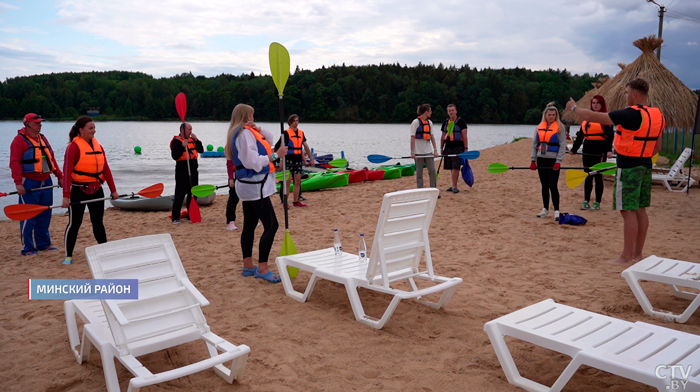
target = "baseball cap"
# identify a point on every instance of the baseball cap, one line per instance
(32, 117)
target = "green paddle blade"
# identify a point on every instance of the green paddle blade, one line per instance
(288, 248)
(342, 162)
(605, 165)
(279, 66)
(497, 168)
(203, 190)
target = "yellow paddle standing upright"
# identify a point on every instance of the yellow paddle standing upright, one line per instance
(279, 67)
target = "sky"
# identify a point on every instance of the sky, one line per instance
(211, 37)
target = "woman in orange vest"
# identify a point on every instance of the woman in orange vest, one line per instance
(596, 148)
(548, 149)
(85, 168)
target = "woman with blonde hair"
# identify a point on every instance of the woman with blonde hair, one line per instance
(548, 150)
(248, 147)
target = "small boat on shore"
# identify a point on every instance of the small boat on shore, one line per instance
(213, 154)
(161, 203)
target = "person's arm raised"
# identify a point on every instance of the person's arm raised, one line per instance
(589, 115)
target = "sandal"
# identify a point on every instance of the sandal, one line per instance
(49, 248)
(269, 277)
(249, 271)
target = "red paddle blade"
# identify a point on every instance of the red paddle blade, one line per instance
(181, 105)
(195, 215)
(152, 191)
(22, 212)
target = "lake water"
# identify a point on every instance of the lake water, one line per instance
(134, 172)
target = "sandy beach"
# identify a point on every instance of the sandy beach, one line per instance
(487, 235)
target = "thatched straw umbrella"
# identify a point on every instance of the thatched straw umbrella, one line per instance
(676, 101)
(568, 117)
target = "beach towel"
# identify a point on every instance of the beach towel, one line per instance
(467, 174)
(571, 219)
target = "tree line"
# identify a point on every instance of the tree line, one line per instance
(385, 93)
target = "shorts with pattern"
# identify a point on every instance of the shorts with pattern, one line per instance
(632, 189)
(294, 164)
(453, 163)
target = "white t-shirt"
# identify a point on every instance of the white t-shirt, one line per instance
(248, 154)
(423, 146)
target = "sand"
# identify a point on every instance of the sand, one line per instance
(488, 235)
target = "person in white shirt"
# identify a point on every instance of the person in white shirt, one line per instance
(423, 147)
(248, 147)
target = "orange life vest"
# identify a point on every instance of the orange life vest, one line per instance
(264, 148)
(38, 156)
(91, 162)
(423, 131)
(549, 137)
(641, 142)
(191, 146)
(593, 131)
(296, 142)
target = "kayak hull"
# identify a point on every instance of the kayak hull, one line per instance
(162, 203)
(374, 175)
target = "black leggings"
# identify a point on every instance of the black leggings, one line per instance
(589, 161)
(231, 205)
(549, 179)
(263, 211)
(75, 217)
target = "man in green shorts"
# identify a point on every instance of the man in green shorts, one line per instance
(637, 139)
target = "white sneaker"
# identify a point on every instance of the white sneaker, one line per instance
(176, 222)
(543, 214)
(232, 226)
(556, 216)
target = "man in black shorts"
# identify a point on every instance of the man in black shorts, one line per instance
(454, 141)
(295, 140)
(637, 139)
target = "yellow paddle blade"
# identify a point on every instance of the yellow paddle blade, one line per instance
(288, 248)
(279, 66)
(575, 178)
(655, 158)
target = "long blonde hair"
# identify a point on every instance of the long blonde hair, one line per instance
(562, 130)
(239, 117)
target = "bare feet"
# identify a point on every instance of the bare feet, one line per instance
(637, 258)
(622, 261)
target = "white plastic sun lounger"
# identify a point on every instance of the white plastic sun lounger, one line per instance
(168, 313)
(663, 358)
(676, 180)
(400, 241)
(674, 273)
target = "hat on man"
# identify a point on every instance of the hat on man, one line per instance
(31, 117)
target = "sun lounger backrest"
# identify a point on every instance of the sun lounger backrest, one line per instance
(166, 306)
(401, 237)
(680, 162)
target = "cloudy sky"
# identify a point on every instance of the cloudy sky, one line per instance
(210, 37)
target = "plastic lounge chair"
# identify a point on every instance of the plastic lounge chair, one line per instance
(676, 179)
(400, 241)
(638, 351)
(675, 273)
(168, 313)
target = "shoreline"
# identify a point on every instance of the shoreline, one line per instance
(488, 235)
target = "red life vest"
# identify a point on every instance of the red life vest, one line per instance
(641, 142)
(191, 146)
(592, 131)
(423, 131)
(91, 162)
(549, 137)
(296, 142)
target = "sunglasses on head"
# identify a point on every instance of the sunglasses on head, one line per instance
(35, 117)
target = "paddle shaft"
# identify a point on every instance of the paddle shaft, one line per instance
(32, 190)
(285, 194)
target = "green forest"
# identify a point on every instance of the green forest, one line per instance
(385, 93)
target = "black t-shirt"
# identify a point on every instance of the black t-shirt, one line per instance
(460, 125)
(631, 119)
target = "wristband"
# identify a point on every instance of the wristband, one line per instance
(274, 156)
(573, 108)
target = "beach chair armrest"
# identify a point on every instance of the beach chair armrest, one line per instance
(193, 290)
(118, 314)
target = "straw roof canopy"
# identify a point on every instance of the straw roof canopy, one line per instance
(676, 101)
(585, 101)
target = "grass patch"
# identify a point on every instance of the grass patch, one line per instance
(515, 139)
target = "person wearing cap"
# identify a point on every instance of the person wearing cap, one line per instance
(32, 161)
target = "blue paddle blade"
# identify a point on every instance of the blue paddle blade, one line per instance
(469, 155)
(374, 158)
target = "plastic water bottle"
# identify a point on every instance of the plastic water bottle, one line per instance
(362, 248)
(337, 246)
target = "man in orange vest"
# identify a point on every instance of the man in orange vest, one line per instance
(32, 161)
(637, 139)
(182, 144)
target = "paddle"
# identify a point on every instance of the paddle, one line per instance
(575, 178)
(205, 190)
(28, 211)
(29, 190)
(500, 168)
(375, 158)
(342, 162)
(181, 106)
(279, 68)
